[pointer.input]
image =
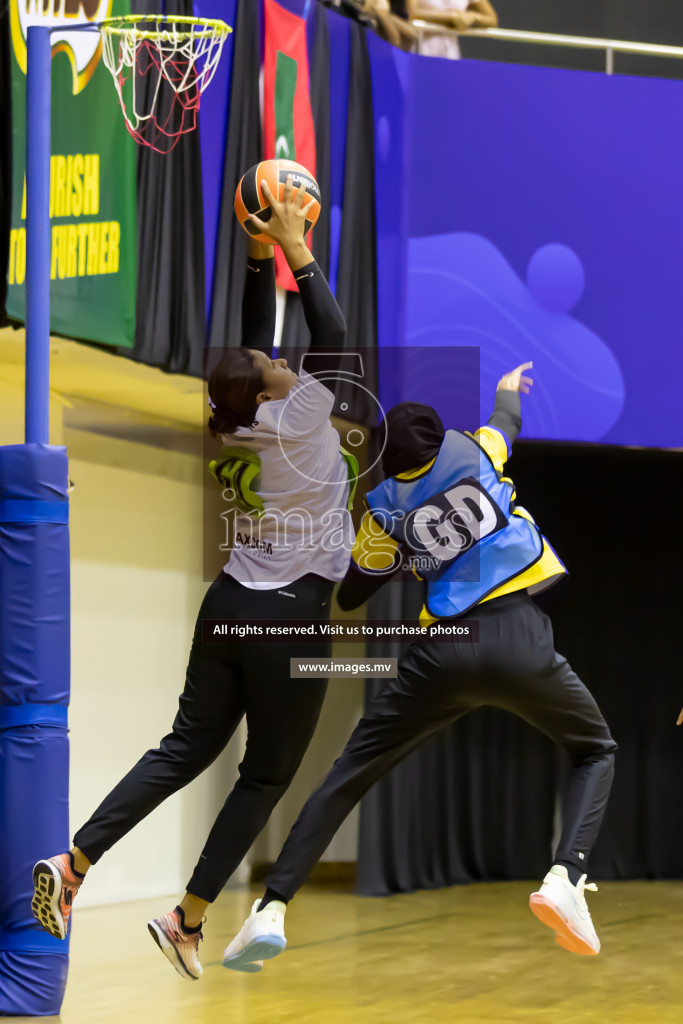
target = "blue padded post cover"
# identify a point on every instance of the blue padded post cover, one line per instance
(34, 694)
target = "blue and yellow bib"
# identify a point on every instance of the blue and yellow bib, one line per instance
(458, 519)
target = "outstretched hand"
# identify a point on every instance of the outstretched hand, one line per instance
(515, 381)
(679, 720)
(287, 222)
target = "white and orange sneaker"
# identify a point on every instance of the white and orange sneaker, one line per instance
(55, 887)
(261, 937)
(562, 907)
(177, 945)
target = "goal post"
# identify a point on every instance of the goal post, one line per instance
(34, 503)
(38, 234)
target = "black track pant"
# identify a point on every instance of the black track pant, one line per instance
(224, 682)
(513, 666)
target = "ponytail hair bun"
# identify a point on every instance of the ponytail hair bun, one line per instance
(234, 385)
(228, 422)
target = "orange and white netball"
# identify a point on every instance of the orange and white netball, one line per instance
(249, 197)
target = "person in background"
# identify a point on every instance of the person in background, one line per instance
(388, 25)
(378, 15)
(460, 15)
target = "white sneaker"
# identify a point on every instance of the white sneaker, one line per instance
(254, 967)
(261, 937)
(562, 907)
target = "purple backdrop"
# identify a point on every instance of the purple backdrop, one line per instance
(533, 212)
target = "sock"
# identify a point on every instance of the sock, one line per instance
(270, 897)
(186, 928)
(71, 861)
(572, 870)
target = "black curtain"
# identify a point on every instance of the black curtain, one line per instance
(610, 512)
(357, 279)
(243, 149)
(320, 106)
(357, 275)
(5, 154)
(477, 801)
(657, 21)
(295, 334)
(170, 321)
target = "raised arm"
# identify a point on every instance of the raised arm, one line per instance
(505, 423)
(286, 227)
(323, 316)
(258, 300)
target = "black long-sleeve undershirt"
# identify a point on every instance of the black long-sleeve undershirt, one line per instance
(258, 305)
(323, 316)
(507, 414)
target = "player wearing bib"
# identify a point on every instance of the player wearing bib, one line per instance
(281, 456)
(459, 521)
(446, 506)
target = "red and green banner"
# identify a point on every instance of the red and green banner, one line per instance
(92, 178)
(287, 116)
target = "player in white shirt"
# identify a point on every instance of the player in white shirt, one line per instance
(291, 546)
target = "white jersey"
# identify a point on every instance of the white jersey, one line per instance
(306, 526)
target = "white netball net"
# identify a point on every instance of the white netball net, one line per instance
(161, 66)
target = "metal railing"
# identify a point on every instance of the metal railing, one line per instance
(610, 46)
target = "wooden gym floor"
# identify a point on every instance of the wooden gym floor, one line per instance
(462, 955)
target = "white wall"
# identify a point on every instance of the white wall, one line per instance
(136, 590)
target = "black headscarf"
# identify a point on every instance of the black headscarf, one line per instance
(414, 434)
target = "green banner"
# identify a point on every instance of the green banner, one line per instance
(92, 178)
